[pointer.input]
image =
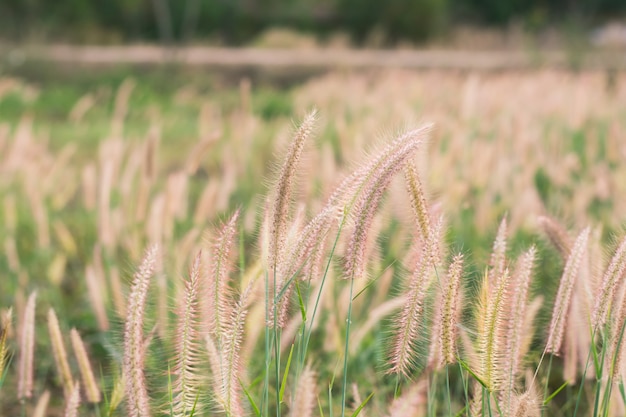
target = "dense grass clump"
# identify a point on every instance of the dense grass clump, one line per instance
(376, 287)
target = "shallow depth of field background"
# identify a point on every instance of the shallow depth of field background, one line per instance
(98, 161)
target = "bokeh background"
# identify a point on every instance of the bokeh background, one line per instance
(237, 22)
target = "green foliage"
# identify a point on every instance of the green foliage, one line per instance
(239, 21)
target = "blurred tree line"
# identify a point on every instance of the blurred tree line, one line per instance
(238, 21)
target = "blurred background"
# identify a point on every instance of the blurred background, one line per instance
(110, 142)
(374, 23)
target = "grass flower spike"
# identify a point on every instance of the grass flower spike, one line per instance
(138, 403)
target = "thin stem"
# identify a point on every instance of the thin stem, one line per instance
(319, 294)
(265, 401)
(545, 388)
(582, 381)
(345, 354)
(448, 390)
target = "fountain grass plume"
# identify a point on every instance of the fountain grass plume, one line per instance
(517, 314)
(283, 191)
(557, 234)
(491, 335)
(447, 317)
(369, 193)
(225, 358)
(187, 380)
(138, 402)
(218, 280)
(564, 293)
(612, 278)
(407, 329)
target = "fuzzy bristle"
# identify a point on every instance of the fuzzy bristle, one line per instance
(138, 403)
(406, 335)
(186, 385)
(605, 297)
(283, 191)
(564, 294)
(305, 396)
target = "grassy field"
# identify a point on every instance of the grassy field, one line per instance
(233, 247)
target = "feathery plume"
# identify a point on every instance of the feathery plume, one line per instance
(73, 402)
(225, 362)
(305, 397)
(447, 317)
(134, 352)
(412, 402)
(557, 235)
(407, 332)
(498, 253)
(27, 350)
(519, 285)
(491, 332)
(369, 197)
(418, 201)
(282, 197)
(355, 182)
(615, 356)
(527, 404)
(89, 381)
(564, 294)
(303, 258)
(605, 297)
(60, 354)
(186, 384)
(218, 280)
